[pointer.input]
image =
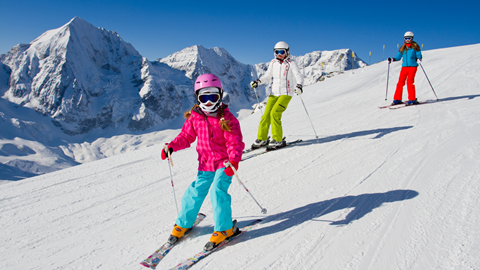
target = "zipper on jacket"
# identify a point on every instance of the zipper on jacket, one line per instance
(287, 67)
(210, 130)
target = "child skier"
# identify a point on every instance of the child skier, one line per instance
(410, 52)
(219, 140)
(283, 70)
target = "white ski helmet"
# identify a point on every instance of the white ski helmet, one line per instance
(282, 45)
(408, 34)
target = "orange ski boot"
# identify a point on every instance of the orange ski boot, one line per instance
(220, 236)
(177, 233)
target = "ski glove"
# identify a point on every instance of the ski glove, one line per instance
(254, 84)
(165, 154)
(299, 89)
(419, 60)
(229, 170)
(390, 60)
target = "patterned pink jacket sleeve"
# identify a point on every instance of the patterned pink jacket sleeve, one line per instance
(186, 137)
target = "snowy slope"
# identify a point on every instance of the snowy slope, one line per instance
(379, 189)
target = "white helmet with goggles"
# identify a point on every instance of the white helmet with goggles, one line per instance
(408, 34)
(281, 48)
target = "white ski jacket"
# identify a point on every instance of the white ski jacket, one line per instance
(286, 75)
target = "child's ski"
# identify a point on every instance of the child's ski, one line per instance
(401, 105)
(408, 105)
(153, 260)
(270, 150)
(202, 254)
(391, 105)
(253, 149)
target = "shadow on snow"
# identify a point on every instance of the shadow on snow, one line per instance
(459, 97)
(380, 133)
(361, 204)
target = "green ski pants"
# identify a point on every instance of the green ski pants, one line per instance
(273, 115)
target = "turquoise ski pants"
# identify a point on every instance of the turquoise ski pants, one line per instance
(195, 195)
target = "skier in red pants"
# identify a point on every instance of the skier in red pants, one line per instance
(410, 52)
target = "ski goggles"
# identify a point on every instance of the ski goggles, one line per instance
(204, 98)
(408, 38)
(281, 52)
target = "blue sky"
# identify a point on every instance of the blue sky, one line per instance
(249, 29)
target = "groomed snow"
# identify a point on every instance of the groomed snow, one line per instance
(379, 188)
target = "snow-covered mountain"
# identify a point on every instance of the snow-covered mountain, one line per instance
(378, 189)
(85, 77)
(88, 85)
(320, 63)
(235, 76)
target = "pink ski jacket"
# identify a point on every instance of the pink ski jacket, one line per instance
(214, 145)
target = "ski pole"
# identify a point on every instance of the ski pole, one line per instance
(316, 136)
(170, 161)
(303, 64)
(428, 80)
(226, 163)
(388, 73)
(256, 95)
(259, 105)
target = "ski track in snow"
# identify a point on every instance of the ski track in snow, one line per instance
(379, 189)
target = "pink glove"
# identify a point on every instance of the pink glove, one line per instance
(229, 170)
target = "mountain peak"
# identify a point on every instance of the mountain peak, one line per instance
(77, 20)
(197, 59)
(74, 64)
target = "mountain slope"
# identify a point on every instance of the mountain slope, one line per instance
(379, 189)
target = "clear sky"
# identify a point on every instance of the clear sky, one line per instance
(248, 29)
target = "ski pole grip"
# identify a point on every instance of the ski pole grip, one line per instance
(165, 148)
(227, 163)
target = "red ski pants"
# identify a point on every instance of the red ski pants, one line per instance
(407, 74)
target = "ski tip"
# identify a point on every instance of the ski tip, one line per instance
(202, 214)
(145, 264)
(257, 221)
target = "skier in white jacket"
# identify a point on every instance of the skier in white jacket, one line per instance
(287, 79)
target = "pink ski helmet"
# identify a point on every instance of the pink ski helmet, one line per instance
(208, 80)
